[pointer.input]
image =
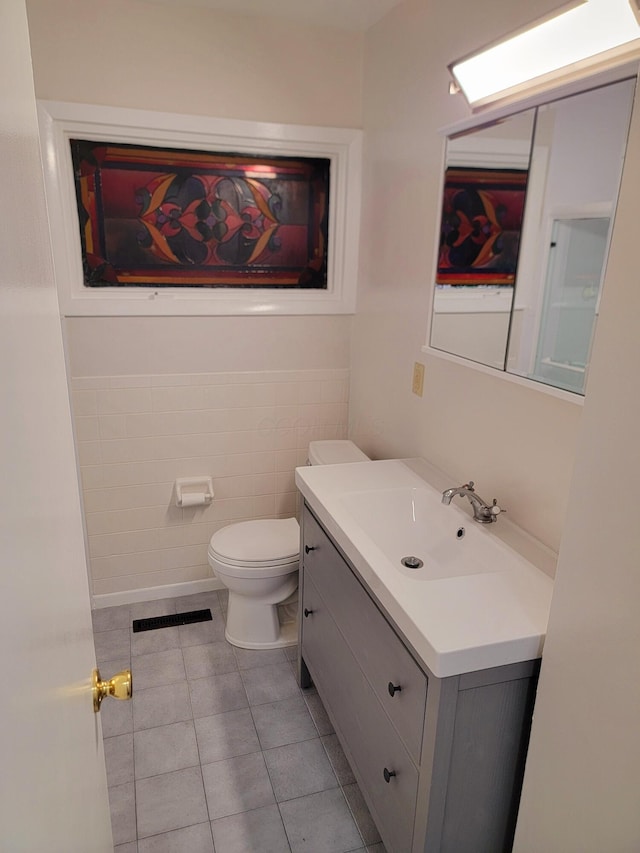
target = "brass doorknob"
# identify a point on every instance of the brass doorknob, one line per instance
(120, 687)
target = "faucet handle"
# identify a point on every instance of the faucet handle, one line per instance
(495, 510)
(469, 486)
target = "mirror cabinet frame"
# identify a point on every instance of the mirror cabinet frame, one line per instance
(485, 117)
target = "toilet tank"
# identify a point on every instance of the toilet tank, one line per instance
(335, 452)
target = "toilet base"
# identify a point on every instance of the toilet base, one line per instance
(252, 625)
(288, 637)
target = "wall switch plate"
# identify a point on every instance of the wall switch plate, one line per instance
(418, 379)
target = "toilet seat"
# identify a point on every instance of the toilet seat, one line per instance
(259, 570)
(265, 547)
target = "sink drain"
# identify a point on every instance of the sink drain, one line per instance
(412, 562)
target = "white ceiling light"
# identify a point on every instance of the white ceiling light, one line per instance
(583, 32)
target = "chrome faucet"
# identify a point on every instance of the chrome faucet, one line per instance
(482, 511)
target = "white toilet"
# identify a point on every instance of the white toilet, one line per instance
(258, 562)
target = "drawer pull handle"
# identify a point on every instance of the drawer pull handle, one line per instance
(307, 612)
(308, 548)
(394, 688)
(388, 774)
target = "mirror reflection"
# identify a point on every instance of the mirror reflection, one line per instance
(483, 201)
(527, 212)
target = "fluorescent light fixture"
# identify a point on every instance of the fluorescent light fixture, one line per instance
(583, 32)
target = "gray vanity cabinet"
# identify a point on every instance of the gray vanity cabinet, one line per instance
(439, 760)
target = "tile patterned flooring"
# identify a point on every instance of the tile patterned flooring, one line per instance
(220, 751)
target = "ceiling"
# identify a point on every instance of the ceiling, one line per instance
(357, 15)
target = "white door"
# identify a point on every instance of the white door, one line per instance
(53, 794)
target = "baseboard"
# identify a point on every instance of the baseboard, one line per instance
(153, 593)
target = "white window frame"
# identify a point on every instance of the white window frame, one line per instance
(60, 122)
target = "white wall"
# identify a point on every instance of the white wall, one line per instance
(469, 424)
(189, 59)
(582, 776)
(194, 61)
(583, 772)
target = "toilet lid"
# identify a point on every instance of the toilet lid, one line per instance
(270, 540)
(335, 451)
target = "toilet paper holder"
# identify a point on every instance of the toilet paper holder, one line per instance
(194, 491)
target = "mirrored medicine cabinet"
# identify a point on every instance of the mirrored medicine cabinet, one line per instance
(527, 212)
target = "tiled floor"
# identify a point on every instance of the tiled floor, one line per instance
(220, 751)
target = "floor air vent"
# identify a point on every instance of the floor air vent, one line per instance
(171, 621)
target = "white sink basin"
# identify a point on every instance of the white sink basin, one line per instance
(476, 602)
(413, 522)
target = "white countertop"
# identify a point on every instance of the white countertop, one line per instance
(455, 624)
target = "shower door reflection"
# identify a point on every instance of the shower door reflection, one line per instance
(572, 291)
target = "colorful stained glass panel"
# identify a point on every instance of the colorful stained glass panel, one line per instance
(482, 212)
(164, 217)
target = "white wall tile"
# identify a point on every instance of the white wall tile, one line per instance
(86, 383)
(128, 450)
(84, 403)
(323, 414)
(230, 509)
(132, 473)
(147, 562)
(261, 417)
(245, 463)
(134, 541)
(87, 428)
(310, 392)
(213, 378)
(142, 518)
(177, 399)
(166, 470)
(188, 555)
(288, 460)
(303, 454)
(286, 505)
(89, 452)
(285, 482)
(264, 484)
(128, 497)
(193, 421)
(200, 534)
(244, 441)
(92, 476)
(286, 439)
(143, 424)
(215, 396)
(137, 434)
(249, 377)
(183, 446)
(144, 580)
(121, 400)
(170, 537)
(129, 381)
(124, 564)
(264, 506)
(112, 426)
(334, 391)
(287, 393)
(171, 380)
(251, 395)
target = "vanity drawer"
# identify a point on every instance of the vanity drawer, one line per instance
(398, 682)
(367, 736)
